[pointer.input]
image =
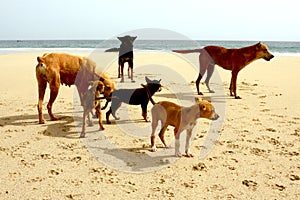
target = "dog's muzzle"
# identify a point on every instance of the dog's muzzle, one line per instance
(268, 58)
(215, 117)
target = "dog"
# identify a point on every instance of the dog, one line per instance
(138, 96)
(61, 68)
(90, 101)
(126, 55)
(181, 118)
(230, 59)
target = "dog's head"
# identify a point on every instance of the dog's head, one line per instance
(153, 84)
(207, 110)
(263, 52)
(109, 85)
(41, 62)
(127, 40)
(97, 86)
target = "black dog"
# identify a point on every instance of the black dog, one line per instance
(140, 96)
(126, 55)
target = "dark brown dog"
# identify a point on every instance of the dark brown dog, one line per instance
(90, 101)
(181, 118)
(62, 68)
(126, 55)
(230, 59)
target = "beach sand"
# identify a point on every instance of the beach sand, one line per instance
(256, 155)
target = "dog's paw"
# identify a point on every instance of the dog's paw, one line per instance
(82, 135)
(189, 155)
(153, 149)
(178, 154)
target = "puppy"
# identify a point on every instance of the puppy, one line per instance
(90, 101)
(181, 118)
(140, 96)
(126, 55)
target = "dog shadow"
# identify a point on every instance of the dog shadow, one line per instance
(133, 160)
(59, 128)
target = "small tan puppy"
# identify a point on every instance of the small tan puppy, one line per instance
(181, 118)
(91, 100)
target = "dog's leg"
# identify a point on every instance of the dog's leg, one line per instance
(144, 111)
(82, 135)
(209, 73)
(177, 142)
(203, 62)
(230, 87)
(122, 72)
(162, 134)
(197, 84)
(188, 143)
(107, 116)
(130, 66)
(152, 138)
(42, 84)
(234, 79)
(54, 87)
(90, 122)
(119, 66)
(99, 114)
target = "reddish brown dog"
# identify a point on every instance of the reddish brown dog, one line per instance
(90, 101)
(181, 118)
(230, 59)
(62, 68)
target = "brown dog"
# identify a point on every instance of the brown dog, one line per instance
(230, 59)
(182, 118)
(90, 101)
(62, 68)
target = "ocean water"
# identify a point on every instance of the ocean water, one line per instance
(23, 46)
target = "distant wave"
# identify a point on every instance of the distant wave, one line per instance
(91, 50)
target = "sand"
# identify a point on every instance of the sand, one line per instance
(255, 153)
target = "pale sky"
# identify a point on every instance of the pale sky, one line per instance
(258, 20)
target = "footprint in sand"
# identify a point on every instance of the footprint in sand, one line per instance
(200, 167)
(250, 184)
(278, 187)
(294, 177)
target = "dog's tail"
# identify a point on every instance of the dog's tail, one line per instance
(149, 95)
(189, 51)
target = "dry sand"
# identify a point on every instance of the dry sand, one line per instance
(255, 157)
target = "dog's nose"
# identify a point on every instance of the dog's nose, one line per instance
(215, 117)
(271, 57)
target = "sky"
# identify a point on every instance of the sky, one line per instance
(255, 20)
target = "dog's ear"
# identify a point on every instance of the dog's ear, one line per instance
(120, 38)
(133, 38)
(258, 45)
(198, 99)
(203, 107)
(40, 59)
(159, 80)
(147, 80)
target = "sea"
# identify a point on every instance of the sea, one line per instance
(286, 48)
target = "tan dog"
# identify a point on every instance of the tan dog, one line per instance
(90, 101)
(182, 118)
(62, 68)
(230, 59)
